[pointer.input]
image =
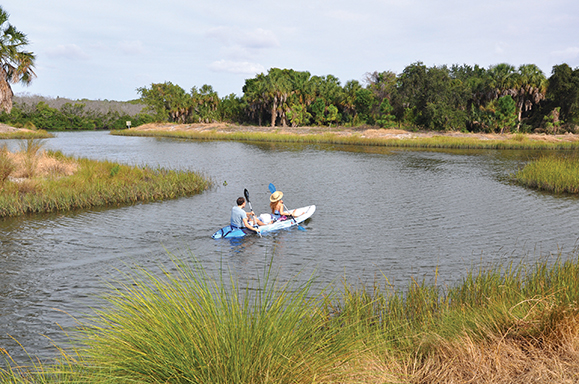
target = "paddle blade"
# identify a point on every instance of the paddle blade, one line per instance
(246, 194)
(271, 188)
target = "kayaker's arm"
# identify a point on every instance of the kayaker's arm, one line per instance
(248, 225)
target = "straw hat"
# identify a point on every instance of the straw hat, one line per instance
(276, 196)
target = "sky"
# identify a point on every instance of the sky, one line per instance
(107, 49)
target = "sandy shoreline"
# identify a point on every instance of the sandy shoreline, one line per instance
(368, 132)
(7, 128)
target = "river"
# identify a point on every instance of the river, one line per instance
(391, 213)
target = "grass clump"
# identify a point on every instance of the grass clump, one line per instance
(6, 165)
(500, 325)
(550, 173)
(36, 181)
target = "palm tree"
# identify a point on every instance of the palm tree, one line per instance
(502, 81)
(532, 88)
(15, 64)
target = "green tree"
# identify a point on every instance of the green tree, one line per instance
(255, 98)
(231, 109)
(506, 113)
(333, 114)
(432, 98)
(531, 89)
(386, 119)
(349, 100)
(204, 104)
(318, 111)
(563, 92)
(363, 104)
(298, 115)
(168, 101)
(16, 64)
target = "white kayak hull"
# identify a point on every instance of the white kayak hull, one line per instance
(300, 215)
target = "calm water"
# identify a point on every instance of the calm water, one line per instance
(393, 212)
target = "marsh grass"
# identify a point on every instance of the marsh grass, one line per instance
(32, 134)
(551, 173)
(6, 165)
(517, 324)
(519, 141)
(45, 181)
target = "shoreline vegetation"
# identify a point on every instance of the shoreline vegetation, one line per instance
(363, 136)
(501, 324)
(33, 180)
(8, 132)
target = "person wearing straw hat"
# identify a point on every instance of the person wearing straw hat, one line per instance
(278, 209)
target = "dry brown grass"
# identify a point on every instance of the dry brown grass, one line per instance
(43, 165)
(550, 358)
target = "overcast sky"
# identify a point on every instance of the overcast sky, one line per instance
(106, 49)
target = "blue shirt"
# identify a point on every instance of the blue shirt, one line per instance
(237, 216)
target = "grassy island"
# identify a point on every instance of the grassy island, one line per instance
(180, 325)
(552, 174)
(33, 180)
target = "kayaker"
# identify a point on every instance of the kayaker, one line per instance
(240, 218)
(278, 209)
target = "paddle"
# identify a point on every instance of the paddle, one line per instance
(272, 190)
(246, 194)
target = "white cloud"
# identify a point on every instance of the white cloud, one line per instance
(68, 51)
(132, 47)
(242, 67)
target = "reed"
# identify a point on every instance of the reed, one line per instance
(502, 324)
(434, 142)
(54, 182)
(550, 173)
(6, 165)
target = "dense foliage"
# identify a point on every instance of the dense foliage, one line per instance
(498, 99)
(501, 98)
(65, 114)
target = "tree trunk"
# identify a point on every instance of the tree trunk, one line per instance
(273, 112)
(6, 93)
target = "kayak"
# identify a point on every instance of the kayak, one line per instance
(301, 215)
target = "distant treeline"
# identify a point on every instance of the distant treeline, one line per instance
(501, 98)
(33, 111)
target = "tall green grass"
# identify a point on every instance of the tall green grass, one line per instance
(553, 174)
(435, 142)
(97, 183)
(184, 326)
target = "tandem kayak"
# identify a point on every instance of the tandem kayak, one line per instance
(301, 215)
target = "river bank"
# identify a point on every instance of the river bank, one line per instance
(8, 132)
(355, 136)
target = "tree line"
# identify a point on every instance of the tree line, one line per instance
(497, 99)
(33, 111)
(458, 98)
